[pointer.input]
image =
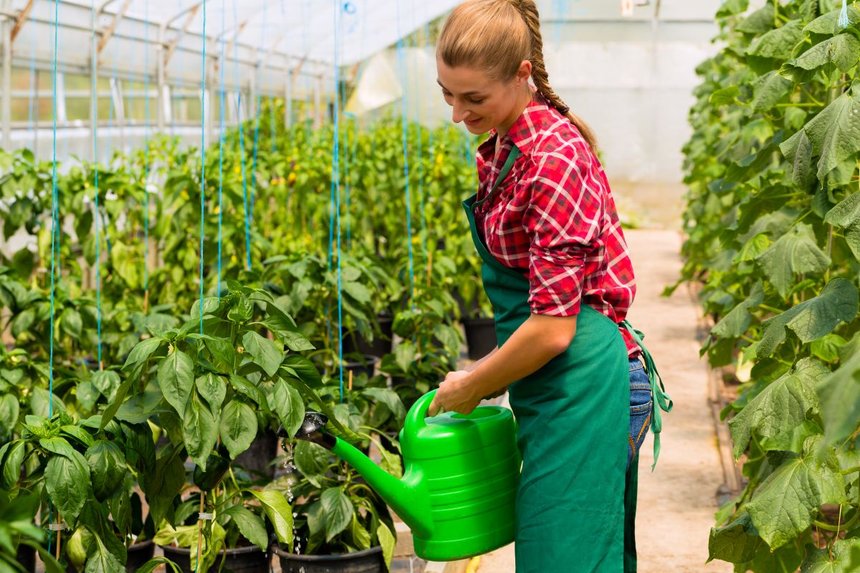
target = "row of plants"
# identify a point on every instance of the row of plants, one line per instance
(772, 239)
(155, 415)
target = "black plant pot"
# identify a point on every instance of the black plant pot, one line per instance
(257, 459)
(355, 343)
(138, 554)
(367, 561)
(480, 336)
(239, 560)
(365, 364)
(26, 556)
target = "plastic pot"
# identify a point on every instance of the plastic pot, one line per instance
(239, 560)
(138, 554)
(480, 336)
(367, 561)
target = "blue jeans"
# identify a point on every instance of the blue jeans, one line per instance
(640, 407)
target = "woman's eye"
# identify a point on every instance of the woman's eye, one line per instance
(476, 101)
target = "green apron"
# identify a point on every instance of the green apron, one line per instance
(577, 498)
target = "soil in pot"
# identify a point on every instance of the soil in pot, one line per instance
(239, 560)
(480, 336)
(257, 459)
(367, 561)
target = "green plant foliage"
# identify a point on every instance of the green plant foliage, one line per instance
(773, 237)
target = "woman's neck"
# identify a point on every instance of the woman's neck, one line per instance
(523, 102)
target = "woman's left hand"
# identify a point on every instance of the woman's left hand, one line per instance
(455, 394)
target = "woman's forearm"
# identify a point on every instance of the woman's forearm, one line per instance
(471, 367)
(537, 341)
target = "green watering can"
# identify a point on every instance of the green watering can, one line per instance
(460, 478)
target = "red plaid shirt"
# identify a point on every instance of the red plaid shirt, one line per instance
(553, 217)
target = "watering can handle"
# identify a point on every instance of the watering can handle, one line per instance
(418, 411)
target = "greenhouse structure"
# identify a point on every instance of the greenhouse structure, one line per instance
(344, 286)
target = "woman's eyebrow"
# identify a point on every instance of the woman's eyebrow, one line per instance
(472, 93)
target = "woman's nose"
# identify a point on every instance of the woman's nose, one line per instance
(458, 114)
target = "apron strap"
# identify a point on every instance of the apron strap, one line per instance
(662, 401)
(506, 168)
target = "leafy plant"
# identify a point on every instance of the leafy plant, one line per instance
(772, 176)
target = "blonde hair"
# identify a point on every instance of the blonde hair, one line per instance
(496, 36)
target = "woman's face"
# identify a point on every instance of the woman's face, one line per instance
(479, 101)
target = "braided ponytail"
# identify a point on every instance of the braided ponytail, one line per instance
(529, 12)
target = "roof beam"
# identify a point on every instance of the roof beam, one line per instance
(109, 31)
(171, 46)
(22, 17)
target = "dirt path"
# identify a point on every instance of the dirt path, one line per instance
(677, 501)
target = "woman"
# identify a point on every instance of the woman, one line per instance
(556, 268)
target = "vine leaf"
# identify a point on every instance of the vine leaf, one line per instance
(834, 134)
(795, 252)
(842, 50)
(783, 404)
(840, 394)
(738, 320)
(827, 23)
(758, 22)
(777, 44)
(846, 215)
(812, 319)
(843, 557)
(769, 89)
(786, 501)
(736, 542)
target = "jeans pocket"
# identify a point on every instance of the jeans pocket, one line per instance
(641, 404)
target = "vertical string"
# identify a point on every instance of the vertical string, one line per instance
(202, 162)
(335, 182)
(844, 19)
(94, 110)
(146, 159)
(401, 56)
(54, 215)
(245, 204)
(221, 106)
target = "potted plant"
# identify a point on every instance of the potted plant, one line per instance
(218, 389)
(341, 523)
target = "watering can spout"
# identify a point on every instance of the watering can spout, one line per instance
(408, 496)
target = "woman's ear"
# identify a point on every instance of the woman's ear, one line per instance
(525, 71)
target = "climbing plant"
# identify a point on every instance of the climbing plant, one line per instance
(773, 237)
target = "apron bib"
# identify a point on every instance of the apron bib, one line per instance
(576, 500)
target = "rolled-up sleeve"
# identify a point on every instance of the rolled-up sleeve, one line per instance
(564, 223)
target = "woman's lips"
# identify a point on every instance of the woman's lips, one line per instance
(473, 121)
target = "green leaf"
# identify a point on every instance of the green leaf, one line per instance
(295, 341)
(9, 411)
(360, 536)
(390, 399)
(107, 382)
(250, 525)
(311, 460)
(388, 541)
(176, 379)
(107, 467)
(103, 561)
(812, 319)
(758, 22)
(263, 351)
(787, 500)
(287, 403)
(248, 389)
(754, 247)
(846, 215)
(842, 557)
(732, 7)
(238, 427)
(840, 399)
(842, 50)
(279, 512)
(156, 562)
(834, 134)
(223, 353)
(11, 463)
(802, 173)
(213, 389)
(360, 293)
(303, 369)
(67, 482)
(71, 322)
(784, 404)
(199, 431)
(337, 511)
(827, 23)
(737, 542)
(141, 352)
(769, 89)
(777, 44)
(795, 252)
(738, 320)
(404, 355)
